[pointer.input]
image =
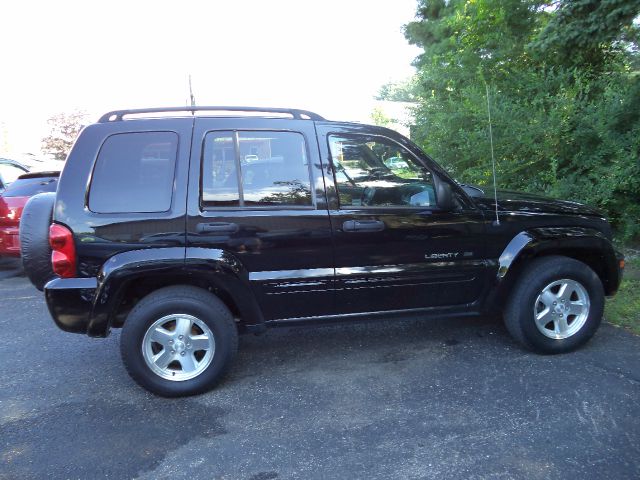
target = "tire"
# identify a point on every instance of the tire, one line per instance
(34, 239)
(532, 317)
(172, 375)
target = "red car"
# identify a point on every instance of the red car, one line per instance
(13, 200)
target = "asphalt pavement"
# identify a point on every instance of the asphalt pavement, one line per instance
(410, 399)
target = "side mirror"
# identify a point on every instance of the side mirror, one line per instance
(444, 196)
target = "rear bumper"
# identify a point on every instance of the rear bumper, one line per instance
(10, 241)
(70, 302)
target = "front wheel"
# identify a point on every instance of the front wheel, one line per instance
(556, 306)
(178, 341)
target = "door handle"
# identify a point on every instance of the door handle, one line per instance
(217, 227)
(363, 226)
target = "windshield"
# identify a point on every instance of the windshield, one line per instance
(9, 173)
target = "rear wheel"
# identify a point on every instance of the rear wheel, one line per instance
(179, 341)
(556, 306)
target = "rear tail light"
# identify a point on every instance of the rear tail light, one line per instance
(11, 210)
(63, 256)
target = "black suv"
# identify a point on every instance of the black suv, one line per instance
(205, 222)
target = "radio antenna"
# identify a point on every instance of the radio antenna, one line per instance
(493, 158)
(191, 96)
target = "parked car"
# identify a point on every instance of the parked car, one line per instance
(12, 202)
(396, 163)
(10, 170)
(160, 227)
(35, 163)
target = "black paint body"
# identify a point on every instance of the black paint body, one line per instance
(299, 264)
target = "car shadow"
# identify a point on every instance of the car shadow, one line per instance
(374, 341)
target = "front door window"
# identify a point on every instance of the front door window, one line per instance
(373, 171)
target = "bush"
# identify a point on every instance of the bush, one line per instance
(563, 125)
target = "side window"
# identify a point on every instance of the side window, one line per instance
(373, 171)
(134, 173)
(219, 180)
(255, 169)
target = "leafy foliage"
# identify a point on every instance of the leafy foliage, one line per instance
(623, 309)
(378, 117)
(398, 91)
(64, 129)
(588, 33)
(564, 89)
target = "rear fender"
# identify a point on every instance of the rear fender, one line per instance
(223, 271)
(214, 268)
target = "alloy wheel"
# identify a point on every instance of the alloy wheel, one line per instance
(178, 347)
(561, 309)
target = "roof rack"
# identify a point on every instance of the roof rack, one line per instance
(117, 115)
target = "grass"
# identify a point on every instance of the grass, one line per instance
(624, 309)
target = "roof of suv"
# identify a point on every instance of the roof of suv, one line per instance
(119, 115)
(156, 113)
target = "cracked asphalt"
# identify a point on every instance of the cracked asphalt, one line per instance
(410, 399)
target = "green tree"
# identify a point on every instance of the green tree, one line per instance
(398, 91)
(64, 129)
(590, 33)
(380, 118)
(564, 94)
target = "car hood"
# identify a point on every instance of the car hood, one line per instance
(510, 201)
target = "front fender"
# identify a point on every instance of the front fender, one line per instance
(585, 244)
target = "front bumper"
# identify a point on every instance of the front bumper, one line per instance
(70, 302)
(620, 270)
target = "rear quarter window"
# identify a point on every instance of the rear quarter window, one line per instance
(134, 173)
(28, 187)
